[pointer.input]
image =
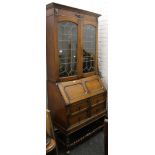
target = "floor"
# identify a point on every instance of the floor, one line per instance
(93, 146)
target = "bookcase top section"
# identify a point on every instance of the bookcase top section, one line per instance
(60, 6)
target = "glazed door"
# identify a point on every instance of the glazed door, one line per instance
(77, 48)
(89, 48)
(68, 47)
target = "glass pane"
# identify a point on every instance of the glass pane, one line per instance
(89, 50)
(67, 44)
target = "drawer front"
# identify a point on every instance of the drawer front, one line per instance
(98, 109)
(78, 118)
(98, 99)
(74, 107)
(78, 106)
(84, 104)
(83, 116)
(73, 120)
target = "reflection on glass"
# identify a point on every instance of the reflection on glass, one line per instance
(67, 43)
(89, 48)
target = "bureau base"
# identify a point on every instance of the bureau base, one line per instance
(71, 140)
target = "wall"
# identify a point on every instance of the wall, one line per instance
(103, 49)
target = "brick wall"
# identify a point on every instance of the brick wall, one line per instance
(103, 48)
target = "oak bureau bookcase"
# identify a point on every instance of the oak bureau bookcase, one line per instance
(76, 94)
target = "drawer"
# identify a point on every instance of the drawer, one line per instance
(73, 120)
(84, 104)
(98, 109)
(83, 116)
(98, 99)
(80, 105)
(74, 107)
(78, 118)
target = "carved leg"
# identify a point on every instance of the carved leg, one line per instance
(67, 144)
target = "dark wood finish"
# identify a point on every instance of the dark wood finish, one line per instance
(80, 135)
(78, 100)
